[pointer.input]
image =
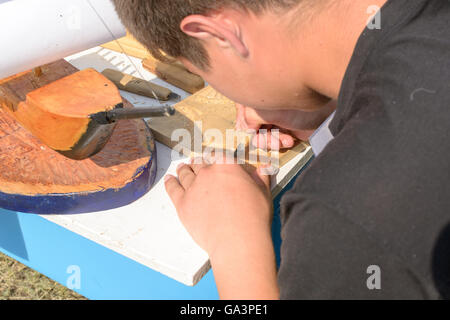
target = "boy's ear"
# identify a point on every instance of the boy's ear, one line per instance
(225, 34)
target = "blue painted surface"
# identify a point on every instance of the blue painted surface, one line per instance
(276, 224)
(73, 203)
(104, 274)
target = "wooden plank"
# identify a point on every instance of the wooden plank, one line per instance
(37, 179)
(129, 46)
(214, 111)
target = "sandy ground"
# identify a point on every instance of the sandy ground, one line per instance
(18, 282)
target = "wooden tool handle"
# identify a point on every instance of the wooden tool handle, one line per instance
(132, 84)
(8, 98)
(116, 114)
(175, 74)
(138, 113)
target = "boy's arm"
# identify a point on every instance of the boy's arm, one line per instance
(228, 213)
(245, 268)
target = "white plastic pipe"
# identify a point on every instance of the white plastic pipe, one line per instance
(37, 32)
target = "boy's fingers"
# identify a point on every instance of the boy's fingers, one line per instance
(197, 164)
(185, 175)
(241, 123)
(286, 141)
(273, 141)
(173, 189)
(247, 118)
(260, 140)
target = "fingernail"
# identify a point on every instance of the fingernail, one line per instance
(287, 142)
(167, 177)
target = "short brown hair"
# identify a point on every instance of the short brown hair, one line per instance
(156, 23)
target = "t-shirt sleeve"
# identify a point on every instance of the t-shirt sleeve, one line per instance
(326, 256)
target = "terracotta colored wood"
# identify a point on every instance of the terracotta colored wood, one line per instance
(30, 167)
(56, 106)
(34, 178)
(132, 84)
(215, 112)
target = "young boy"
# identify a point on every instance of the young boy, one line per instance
(370, 217)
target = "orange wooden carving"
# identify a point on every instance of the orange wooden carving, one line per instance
(57, 110)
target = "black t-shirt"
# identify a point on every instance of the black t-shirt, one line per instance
(370, 218)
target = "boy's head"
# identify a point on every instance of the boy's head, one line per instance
(243, 48)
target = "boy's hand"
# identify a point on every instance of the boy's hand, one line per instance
(219, 204)
(293, 124)
(228, 212)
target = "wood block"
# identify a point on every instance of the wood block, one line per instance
(36, 179)
(215, 112)
(58, 111)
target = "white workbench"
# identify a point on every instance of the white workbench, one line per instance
(148, 230)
